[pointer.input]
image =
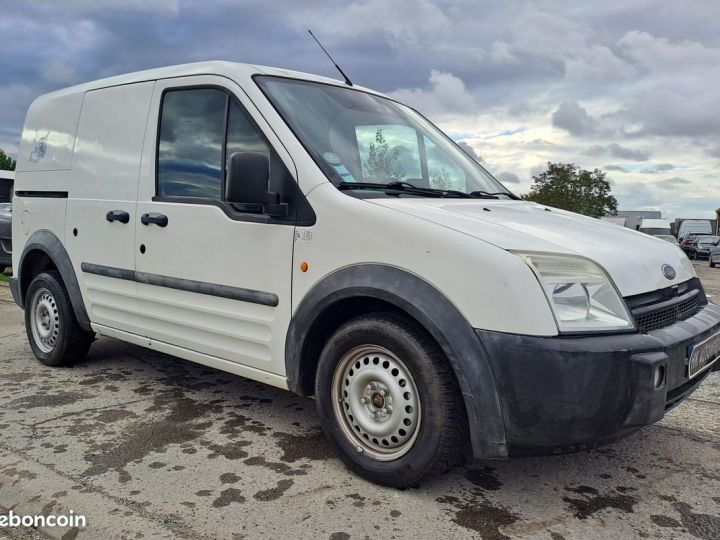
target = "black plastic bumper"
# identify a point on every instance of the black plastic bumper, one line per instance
(564, 394)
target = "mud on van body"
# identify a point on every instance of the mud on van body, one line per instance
(328, 240)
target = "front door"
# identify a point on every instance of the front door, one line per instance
(212, 278)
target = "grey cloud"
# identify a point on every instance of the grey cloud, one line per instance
(508, 177)
(614, 168)
(672, 183)
(658, 168)
(470, 150)
(627, 153)
(618, 151)
(573, 118)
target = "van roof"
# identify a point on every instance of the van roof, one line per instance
(231, 70)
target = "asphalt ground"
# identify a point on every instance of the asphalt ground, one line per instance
(148, 446)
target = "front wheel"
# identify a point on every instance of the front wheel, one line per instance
(55, 337)
(388, 401)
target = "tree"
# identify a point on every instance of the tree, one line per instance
(441, 180)
(6, 162)
(382, 163)
(567, 186)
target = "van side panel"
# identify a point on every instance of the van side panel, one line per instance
(105, 169)
(48, 137)
(43, 168)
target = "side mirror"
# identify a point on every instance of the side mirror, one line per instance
(247, 183)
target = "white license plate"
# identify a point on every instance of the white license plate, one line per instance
(702, 355)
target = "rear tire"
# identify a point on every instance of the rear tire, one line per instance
(54, 334)
(388, 401)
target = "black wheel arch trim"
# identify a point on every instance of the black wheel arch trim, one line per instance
(440, 318)
(45, 241)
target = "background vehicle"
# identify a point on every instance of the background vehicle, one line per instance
(5, 236)
(700, 248)
(655, 226)
(698, 226)
(667, 237)
(714, 257)
(687, 241)
(325, 239)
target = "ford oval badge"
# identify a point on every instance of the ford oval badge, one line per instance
(668, 271)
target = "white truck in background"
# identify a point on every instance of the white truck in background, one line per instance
(694, 226)
(654, 227)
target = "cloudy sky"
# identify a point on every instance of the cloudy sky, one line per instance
(630, 86)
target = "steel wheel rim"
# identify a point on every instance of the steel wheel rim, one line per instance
(44, 320)
(376, 402)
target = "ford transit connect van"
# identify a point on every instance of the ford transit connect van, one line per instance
(326, 239)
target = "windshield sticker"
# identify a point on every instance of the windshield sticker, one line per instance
(332, 158)
(344, 173)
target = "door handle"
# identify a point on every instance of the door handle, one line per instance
(160, 220)
(118, 215)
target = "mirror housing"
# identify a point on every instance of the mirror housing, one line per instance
(247, 183)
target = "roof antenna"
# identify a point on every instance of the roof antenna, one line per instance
(347, 80)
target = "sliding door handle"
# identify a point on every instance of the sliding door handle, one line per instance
(160, 220)
(118, 215)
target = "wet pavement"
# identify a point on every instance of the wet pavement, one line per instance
(145, 445)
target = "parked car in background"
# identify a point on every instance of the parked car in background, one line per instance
(701, 246)
(5, 236)
(667, 237)
(686, 242)
(714, 257)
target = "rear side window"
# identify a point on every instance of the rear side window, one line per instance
(200, 128)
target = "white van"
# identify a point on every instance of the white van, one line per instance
(694, 226)
(654, 227)
(328, 240)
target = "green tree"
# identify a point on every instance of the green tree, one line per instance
(441, 180)
(567, 186)
(383, 163)
(6, 162)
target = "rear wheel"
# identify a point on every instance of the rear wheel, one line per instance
(388, 401)
(55, 337)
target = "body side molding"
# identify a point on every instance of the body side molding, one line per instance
(440, 318)
(189, 285)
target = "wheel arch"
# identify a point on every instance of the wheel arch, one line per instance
(44, 251)
(366, 288)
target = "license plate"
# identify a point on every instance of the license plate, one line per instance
(702, 355)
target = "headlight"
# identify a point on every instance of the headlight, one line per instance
(580, 293)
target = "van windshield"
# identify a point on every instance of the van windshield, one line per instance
(361, 140)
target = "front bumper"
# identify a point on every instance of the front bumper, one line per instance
(564, 394)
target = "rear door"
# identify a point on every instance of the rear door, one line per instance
(100, 215)
(213, 278)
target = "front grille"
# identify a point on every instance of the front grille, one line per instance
(664, 307)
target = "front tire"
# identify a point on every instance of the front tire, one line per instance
(388, 401)
(54, 334)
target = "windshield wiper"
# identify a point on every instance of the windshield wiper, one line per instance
(404, 187)
(487, 195)
(407, 187)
